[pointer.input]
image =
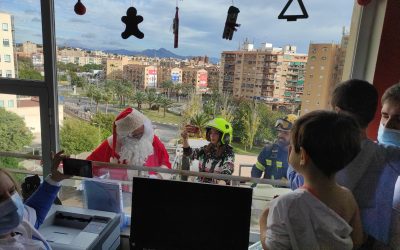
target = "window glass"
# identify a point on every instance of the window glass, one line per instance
(6, 42)
(7, 58)
(4, 26)
(100, 75)
(21, 34)
(20, 116)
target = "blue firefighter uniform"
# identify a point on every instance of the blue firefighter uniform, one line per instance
(272, 161)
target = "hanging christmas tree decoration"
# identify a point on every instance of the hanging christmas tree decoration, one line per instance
(230, 23)
(79, 8)
(363, 2)
(293, 17)
(132, 21)
(175, 27)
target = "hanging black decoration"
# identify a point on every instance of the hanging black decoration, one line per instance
(230, 24)
(132, 21)
(293, 17)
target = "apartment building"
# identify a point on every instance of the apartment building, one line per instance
(273, 75)
(7, 62)
(135, 74)
(321, 76)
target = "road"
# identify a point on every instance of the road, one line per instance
(167, 133)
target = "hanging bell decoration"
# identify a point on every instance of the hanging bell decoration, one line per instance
(79, 8)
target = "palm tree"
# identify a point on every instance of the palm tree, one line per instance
(200, 120)
(167, 85)
(107, 97)
(151, 98)
(178, 90)
(166, 103)
(139, 98)
(251, 121)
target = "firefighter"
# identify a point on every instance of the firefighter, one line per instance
(272, 161)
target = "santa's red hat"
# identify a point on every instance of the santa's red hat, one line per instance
(125, 123)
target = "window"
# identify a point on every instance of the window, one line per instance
(9, 73)
(6, 43)
(5, 26)
(11, 103)
(7, 58)
(1, 104)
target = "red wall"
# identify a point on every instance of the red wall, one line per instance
(387, 70)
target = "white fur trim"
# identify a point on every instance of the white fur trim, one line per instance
(113, 160)
(129, 123)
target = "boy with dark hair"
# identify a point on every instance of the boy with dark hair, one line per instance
(372, 175)
(321, 214)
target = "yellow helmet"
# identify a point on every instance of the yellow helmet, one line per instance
(286, 123)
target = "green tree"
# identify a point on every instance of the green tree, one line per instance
(167, 85)
(200, 120)
(27, 71)
(104, 122)
(77, 80)
(139, 98)
(14, 135)
(151, 98)
(193, 107)
(123, 89)
(77, 136)
(251, 121)
(166, 103)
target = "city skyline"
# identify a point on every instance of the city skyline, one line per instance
(201, 24)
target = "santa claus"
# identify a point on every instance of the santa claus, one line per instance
(133, 142)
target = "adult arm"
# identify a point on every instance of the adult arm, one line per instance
(259, 168)
(45, 195)
(295, 180)
(42, 200)
(228, 163)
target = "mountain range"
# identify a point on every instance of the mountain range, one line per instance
(161, 53)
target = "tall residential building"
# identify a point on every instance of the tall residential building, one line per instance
(7, 63)
(273, 75)
(321, 76)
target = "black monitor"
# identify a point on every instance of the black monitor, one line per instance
(170, 214)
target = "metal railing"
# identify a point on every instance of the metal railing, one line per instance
(234, 179)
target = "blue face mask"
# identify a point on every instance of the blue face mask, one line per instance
(388, 136)
(11, 213)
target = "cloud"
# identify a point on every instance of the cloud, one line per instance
(201, 23)
(76, 20)
(35, 19)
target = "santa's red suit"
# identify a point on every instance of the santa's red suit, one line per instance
(112, 148)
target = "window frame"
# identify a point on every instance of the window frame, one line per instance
(46, 90)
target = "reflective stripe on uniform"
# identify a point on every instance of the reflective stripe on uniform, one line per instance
(268, 162)
(279, 164)
(260, 166)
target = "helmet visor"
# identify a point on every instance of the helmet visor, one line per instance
(283, 124)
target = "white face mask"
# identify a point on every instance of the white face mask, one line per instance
(11, 213)
(388, 136)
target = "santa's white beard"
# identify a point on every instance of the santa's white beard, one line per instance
(135, 151)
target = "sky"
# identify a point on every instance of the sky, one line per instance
(201, 24)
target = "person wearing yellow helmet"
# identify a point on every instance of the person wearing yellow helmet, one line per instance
(272, 161)
(216, 157)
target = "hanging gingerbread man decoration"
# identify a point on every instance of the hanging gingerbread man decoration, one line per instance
(132, 21)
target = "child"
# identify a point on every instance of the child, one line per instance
(321, 214)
